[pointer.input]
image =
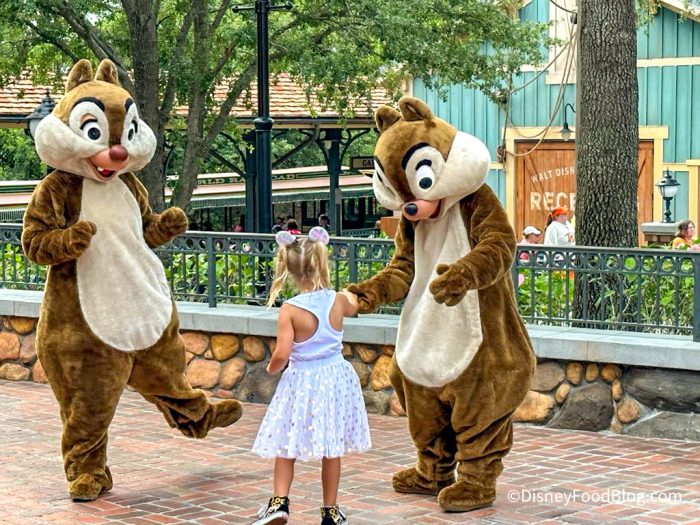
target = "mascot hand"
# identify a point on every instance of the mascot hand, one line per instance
(79, 237)
(451, 285)
(173, 222)
(367, 299)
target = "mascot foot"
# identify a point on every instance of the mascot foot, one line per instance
(88, 486)
(462, 497)
(409, 481)
(221, 414)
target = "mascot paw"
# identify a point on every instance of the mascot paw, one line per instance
(221, 414)
(450, 286)
(462, 497)
(81, 234)
(366, 299)
(173, 222)
(409, 481)
(88, 486)
(226, 413)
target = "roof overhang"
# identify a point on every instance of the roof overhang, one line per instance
(684, 8)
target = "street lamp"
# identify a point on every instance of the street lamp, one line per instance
(565, 131)
(263, 123)
(668, 187)
(42, 110)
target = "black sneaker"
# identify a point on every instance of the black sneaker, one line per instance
(276, 512)
(332, 516)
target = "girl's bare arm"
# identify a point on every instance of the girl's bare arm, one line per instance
(285, 337)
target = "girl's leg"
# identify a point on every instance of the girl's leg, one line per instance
(284, 474)
(330, 478)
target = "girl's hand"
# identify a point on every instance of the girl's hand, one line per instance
(352, 305)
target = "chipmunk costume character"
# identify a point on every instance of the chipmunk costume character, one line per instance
(107, 319)
(463, 360)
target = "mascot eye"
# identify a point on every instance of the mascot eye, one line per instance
(424, 174)
(91, 130)
(133, 130)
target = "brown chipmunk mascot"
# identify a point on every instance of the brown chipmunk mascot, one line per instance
(463, 360)
(107, 318)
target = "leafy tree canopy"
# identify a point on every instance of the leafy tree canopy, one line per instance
(174, 53)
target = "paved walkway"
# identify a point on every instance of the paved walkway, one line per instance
(161, 478)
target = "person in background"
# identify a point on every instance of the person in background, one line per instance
(531, 235)
(685, 234)
(240, 227)
(324, 222)
(559, 231)
(317, 411)
(293, 227)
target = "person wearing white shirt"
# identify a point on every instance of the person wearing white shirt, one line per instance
(559, 232)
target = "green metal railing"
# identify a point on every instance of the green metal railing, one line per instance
(641, 290)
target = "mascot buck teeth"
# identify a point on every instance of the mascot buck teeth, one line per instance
(463, 360)
(107, 319)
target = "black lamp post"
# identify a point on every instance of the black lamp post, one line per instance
(565, 131)
(42, 110)
(668, 187)
(263, 123)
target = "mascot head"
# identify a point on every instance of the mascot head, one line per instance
(423, 165)
(95, 130)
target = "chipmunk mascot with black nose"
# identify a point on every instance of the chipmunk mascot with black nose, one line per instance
(463, 360)
(107, 318)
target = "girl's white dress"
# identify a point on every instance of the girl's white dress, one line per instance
(318, 410)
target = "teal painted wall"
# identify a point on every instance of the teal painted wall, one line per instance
(668, 96)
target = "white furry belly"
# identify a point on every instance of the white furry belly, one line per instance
(436, 343)
(123, 291)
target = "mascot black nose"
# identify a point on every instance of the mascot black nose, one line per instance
(411, 208)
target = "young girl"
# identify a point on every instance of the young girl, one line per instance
(317, 411)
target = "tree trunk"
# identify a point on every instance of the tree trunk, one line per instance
(607, 144)
(607, 124)
(142, 17)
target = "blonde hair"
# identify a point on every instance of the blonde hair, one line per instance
(300, 261)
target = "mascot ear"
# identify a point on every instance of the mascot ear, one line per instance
(81, 72)
(107, 72)
(385, 117)
(414, 109)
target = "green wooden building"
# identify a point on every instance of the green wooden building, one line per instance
(535, 170)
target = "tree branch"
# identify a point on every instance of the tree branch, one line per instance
(47, 37)
(225, 5)
(169, 92)
(243, 81)
(90, 35)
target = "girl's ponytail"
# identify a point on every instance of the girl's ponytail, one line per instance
(316, 258)
(281, 274)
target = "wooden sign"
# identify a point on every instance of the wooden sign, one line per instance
(546, 179)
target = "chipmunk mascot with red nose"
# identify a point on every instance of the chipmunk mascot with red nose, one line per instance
(107, 319)
(463, 360)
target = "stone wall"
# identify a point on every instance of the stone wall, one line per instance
(225, 365)
(647, 402)
(633, 400)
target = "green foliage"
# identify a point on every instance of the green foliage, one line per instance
(339, 51)
(649, 295)
(655, 292)
(16, 272)
(18, 159)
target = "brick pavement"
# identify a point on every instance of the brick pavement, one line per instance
(164, 478)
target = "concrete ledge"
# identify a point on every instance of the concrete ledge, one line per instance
(550, 342)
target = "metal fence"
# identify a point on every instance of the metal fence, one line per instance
(626, 289)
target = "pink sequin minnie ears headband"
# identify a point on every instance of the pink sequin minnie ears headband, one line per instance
(284, 238)
(317, 234)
